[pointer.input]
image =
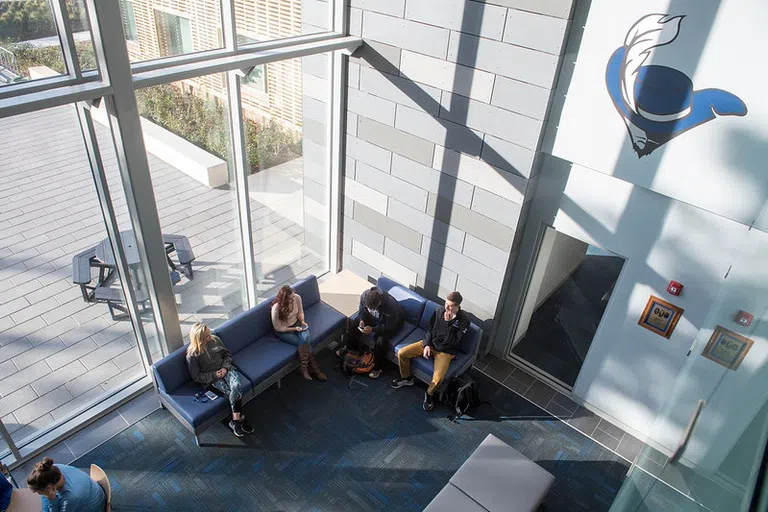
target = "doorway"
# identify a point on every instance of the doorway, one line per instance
(567, 294)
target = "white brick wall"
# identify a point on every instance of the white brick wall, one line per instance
(447, 102)
(406, 34)
(447, 76)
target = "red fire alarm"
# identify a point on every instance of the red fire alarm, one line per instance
(744, 318)
(674, 288)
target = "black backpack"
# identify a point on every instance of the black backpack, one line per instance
(462, 395)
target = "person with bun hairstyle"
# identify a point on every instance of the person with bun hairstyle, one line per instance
(65, 488)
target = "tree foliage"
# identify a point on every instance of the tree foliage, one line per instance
(22, 20)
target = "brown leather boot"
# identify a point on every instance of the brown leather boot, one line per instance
(304, 355)
(314, 368)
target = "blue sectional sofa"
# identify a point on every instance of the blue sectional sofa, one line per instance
(418, 311)
(256, 352)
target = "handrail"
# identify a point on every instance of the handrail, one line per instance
(8, 60)
(687, 433)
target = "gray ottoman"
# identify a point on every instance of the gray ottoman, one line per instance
(497, 478)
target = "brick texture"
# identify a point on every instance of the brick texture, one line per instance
(434, 191)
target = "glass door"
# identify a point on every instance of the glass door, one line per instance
(568, 291)
(709, 439)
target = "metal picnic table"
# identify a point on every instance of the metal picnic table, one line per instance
(102, 258)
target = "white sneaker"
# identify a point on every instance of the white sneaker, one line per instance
(374, 374)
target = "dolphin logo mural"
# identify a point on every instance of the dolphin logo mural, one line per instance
(658, 103)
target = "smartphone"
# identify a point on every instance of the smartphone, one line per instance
(304, 327)
(211, 395)
(361, 329)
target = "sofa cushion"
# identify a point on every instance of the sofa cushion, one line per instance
(196, 413)
(246, 327)
(410, 302)
(470, 342)
(309, 291)
(386, 283)
(429, 310)
(428, 365)
(323, 320)
(399, 336)
(418, 334)
(171, 371)
(500, 478)
(264, 357)
(451, 499)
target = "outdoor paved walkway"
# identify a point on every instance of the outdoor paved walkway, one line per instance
(58, 353)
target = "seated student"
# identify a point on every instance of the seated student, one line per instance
(446, 328)
(381, 315)
(210, 364)
(6, 492)
(290, 327)
(64, 488)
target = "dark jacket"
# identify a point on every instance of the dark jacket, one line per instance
(390, 315)
(456, 331)
(203, 367)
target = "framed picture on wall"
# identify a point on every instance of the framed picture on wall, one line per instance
(660, 316)
(727, 348)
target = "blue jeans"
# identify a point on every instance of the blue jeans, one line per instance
(232, 386)
(295, 338)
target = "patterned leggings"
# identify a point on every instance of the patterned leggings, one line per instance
(232, 386)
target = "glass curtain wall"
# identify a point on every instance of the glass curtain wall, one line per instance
(79, 321)
(65, 335)
(186, 130)
(285, 129)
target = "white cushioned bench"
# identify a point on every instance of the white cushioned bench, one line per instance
(495, 478)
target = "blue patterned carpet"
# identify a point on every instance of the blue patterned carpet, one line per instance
(325, 447)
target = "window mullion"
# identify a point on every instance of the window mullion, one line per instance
(66, 38)
(113, 230)
(240, 161)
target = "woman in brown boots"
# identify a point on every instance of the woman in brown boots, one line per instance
(290, 327)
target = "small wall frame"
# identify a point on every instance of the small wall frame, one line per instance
(660, 317)
(727, 348)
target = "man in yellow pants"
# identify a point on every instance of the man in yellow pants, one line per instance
(444, 332)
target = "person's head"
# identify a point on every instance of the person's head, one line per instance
(45, 478)
(199, 336)
(453, 303)
(284, 301)
(372, 298)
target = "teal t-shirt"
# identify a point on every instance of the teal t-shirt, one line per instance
(79, 494)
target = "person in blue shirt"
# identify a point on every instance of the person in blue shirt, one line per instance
(65, 488)
(6, 491)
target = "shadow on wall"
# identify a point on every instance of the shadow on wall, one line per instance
(474, 145)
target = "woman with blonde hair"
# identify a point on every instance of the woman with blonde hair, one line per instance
(290, 327)
(63, 487)
(210, 365)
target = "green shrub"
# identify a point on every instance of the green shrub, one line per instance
(28, 55)
(203, 123)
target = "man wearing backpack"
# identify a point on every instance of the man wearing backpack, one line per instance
(446, 328)
(379, 314)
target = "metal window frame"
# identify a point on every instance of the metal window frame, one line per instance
(115, 83)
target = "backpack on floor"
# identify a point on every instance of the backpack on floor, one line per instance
(357, 363)
(462, 395)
